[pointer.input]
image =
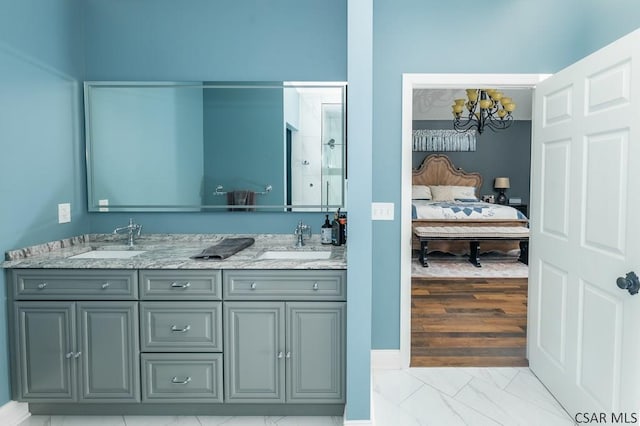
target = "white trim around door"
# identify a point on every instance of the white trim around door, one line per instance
(431, 81)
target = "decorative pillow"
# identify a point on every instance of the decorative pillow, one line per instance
(451, 193)
(420, 192)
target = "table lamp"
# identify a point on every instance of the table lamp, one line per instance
(501, 183)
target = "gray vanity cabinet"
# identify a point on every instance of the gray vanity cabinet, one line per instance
(75, 335)
(77, 351)
(284, 352)
(284, 336)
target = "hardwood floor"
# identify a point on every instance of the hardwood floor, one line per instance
(479, 322)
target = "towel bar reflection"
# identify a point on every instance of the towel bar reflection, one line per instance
(219, 190)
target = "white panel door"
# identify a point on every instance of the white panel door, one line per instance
(584, 331)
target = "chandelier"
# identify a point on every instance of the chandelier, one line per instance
(486, 108)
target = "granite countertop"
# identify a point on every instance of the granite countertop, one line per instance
(172, 251)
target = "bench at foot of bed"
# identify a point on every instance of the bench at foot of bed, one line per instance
(473, 234)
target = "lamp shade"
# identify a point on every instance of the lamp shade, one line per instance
(501, 183)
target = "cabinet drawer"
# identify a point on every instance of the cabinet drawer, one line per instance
(284, 285)
(180, 284)
(75, 284)
(181, 326)
(181, 377)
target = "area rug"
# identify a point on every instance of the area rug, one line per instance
(459, 266)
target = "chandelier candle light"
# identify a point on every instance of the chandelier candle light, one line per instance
(486, 107)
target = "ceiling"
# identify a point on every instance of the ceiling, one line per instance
(435, 104)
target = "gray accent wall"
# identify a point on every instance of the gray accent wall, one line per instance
(501, 153)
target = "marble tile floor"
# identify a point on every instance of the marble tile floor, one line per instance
(507, 396)
(179, 421)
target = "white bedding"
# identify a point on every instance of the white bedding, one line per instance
(453, 210)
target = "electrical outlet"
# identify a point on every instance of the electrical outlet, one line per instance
(382, 211)
(64, 213)
(104, 205)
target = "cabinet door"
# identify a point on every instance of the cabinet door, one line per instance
(44, 338)
(108, 361)
(315, 352)
(254, 352)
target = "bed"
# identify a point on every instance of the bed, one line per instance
(453, 200)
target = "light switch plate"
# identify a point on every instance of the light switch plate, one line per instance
(64, 213)
(382, 211)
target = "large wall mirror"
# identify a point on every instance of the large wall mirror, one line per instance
(215, 146)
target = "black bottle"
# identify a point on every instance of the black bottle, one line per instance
(335, 230)
(326, 231)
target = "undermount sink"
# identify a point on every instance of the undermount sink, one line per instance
(295, 254)
(108, 254)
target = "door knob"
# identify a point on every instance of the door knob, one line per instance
(630, 282)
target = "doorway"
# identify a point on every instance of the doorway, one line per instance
(431, 81)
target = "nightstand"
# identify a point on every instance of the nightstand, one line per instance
(522, 208)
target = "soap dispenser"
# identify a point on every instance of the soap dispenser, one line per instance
(326, 231)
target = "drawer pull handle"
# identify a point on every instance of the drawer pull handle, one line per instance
(41, 286)
(280, 355)
(175, 380)
(253, 286)
(178, 285)
(105, 286)
(77, 355)
(180, 330)
(315, 286)
(68, 355)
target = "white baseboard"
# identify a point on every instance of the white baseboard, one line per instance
(385, 359)
(13, 413)
(370, 422)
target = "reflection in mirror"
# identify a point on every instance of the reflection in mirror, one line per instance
(215, 146)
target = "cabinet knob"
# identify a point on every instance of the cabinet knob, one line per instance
(180, 330)
(288, 355)
(68, 355)
(253, 286)
(178, 285)
(177, 381)
(105, 286)
(77, 355)
(42, 285)
(315, 286)
(280, 355)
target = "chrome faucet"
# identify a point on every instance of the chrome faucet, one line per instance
(299, 232)
(133, 230)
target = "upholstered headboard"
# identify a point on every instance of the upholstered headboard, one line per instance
(437, 169)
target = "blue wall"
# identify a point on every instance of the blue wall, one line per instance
(414, 36)
(41, 150)
(223, 40)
